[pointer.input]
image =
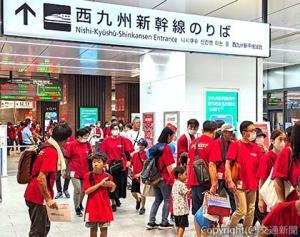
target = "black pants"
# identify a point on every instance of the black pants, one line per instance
(258, 216)
(58, 182)
(23, 144)
(40, 224)
(121, 181)
(9, 143)
(222, 186)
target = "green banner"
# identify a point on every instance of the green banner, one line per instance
(222, 105)
(88, 116)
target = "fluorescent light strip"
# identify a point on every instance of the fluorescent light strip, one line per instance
(286, 50)
(75, 47)
(276, 63)
(67, 67)
(285, 28)
(67, 58)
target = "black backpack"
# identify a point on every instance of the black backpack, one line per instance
(200, 168)
(150, 173)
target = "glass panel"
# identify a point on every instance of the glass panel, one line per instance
(293, 106)
(292, 76)
(275, 79)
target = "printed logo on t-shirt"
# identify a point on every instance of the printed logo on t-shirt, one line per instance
(253, 154)
(200, 145)
(120, 146)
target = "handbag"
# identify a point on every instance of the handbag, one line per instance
(217, 205)
(235, 167)
(268, 192)
(147, 190)
(115, 166)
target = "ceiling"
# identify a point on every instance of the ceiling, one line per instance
(32, 56)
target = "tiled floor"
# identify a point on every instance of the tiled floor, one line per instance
(14, 219)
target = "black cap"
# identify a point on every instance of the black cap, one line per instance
(142, 142)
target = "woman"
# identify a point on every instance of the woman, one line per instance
(163, 188)
(117, 149)
(287, 166)
(278, 141)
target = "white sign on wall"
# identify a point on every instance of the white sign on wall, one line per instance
(101, 23)
(7, 104)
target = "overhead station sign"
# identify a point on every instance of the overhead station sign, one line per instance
(101, 23)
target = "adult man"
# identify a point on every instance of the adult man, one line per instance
(246, 154)
(27, 138)
(40, 188)
(135, 133)
(218, 160)
(202, 147)
(186, 139)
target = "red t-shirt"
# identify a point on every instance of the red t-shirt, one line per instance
(19, 132)
(11, 133)
(205, 146)
(248, 160)
(106, 132)
(46, 162)
(183, 145)
(216, 157)
(265, 165)
(137, 162)
(283, 218)
(115, 149)
(77, 155)
(98, 206)
(165, 160)
(281, 169)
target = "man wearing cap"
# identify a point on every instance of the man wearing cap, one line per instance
(137, 162)
(284, 219)
(218, 160)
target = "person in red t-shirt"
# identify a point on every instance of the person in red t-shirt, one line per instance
(11, 136)
(284, 169)
(246, 154)
(118, 151)
(202, 146)
(39, 190)
(77, 153)
(186, 139)
(163, 188)
(97, 185)
(284, 219)
(106, 130)
(218, 160)
(267, 162)
(137, 162)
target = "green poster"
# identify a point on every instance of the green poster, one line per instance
(222, 105)
(88, 116)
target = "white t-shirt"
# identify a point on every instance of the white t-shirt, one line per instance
(180, 200)
(135, 136)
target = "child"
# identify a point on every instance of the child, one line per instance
(137, 162)
(180, 201)
(97, 185)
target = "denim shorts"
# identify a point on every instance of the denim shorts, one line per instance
(97, 224)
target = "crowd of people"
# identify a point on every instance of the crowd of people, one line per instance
(100, 161)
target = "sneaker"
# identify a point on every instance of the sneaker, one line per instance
(81, 207)
(114, 207)
(58, 195)
(66, 193)
(165, 226)
(142, 211)
(118, 203)
(78, 212)
(138, 205)
(151, 226)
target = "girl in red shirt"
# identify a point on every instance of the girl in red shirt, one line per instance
(97, 185)
(278, 141)
(287, 166)
(137, 162)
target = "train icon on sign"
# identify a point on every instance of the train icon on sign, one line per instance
(57, 17)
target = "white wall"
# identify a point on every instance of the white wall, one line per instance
(179, 85)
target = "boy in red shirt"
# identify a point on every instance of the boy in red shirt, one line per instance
(283, 220)
(97, 185)
(137, 162)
